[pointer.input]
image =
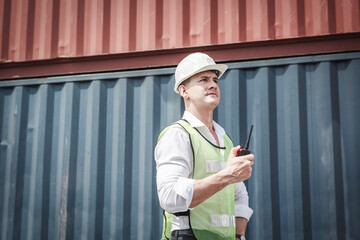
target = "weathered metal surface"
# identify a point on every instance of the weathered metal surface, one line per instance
(335, 43)
(76, 152)
(47, 29)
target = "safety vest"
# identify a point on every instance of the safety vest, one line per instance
(215, 217)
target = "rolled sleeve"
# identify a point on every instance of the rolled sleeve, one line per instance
(242, 208)
(243, 211)
(184, 187)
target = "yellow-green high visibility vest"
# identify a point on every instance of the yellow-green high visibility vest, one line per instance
(215, 217)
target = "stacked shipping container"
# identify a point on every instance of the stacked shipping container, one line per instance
(43, 29)
(76, 151)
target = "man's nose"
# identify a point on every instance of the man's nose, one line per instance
(213, 84)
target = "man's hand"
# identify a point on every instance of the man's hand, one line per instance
(239, 168)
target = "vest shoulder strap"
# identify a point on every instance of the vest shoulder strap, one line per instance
(181, 123)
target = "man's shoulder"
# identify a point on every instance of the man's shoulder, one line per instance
(175, 128)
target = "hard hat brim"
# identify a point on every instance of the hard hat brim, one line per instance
(219, 67)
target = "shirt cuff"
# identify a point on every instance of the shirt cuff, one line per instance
(184, 187)
(244, 211)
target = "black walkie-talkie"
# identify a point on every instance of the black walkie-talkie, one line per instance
(245, 150)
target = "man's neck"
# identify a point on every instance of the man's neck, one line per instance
(205, 117)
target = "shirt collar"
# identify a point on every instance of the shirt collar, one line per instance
(195, 122)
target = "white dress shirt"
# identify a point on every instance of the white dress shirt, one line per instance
(174, 164)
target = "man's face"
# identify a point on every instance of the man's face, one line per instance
(203, 89)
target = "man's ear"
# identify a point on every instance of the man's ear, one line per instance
(182, 91)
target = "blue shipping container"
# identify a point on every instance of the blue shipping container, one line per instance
(76, 152)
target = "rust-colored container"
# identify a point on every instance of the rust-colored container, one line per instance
(47, 29)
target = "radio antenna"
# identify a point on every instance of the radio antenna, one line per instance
(248, 140)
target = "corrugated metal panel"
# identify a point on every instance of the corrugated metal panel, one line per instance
(43, 29)
(76, 152)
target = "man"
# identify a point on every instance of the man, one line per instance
(199, 176)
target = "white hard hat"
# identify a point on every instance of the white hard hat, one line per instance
(193, 64)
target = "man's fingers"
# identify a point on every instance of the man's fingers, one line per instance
(234, 151)
(250, 157)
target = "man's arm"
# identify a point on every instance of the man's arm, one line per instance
(243, 212)
(173, 166)
(237, 169)
(241, 224)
